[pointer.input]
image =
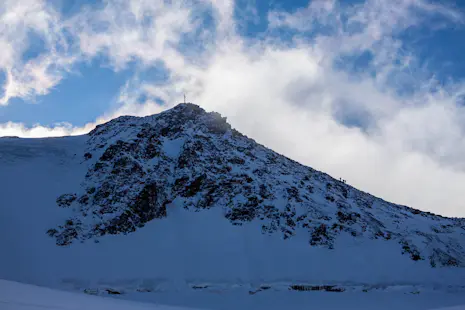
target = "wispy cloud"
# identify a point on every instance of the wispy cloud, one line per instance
(126, 31)
(25, 78)
(341, 91)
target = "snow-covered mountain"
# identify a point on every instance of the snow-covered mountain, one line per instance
(180, 198)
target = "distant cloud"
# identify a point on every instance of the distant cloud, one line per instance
(60, 130)
(331, 94)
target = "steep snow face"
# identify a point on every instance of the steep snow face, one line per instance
(33, 173)
(181, 197)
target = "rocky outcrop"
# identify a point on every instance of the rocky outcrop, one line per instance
(139, 167)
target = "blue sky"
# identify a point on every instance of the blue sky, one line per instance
(92, 88)
(359, 89)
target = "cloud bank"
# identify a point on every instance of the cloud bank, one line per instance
(335, 87)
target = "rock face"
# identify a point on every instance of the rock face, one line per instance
(139, 167)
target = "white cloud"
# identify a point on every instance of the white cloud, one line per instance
(124, 31)
(26, 78)
(289, 95)
(318, 12)
(11, 129)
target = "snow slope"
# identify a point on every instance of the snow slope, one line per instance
(180, 201)
(12, 297)
(18, 296)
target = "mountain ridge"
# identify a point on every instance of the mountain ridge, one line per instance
(138, 168)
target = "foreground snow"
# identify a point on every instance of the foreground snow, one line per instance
(18, 296)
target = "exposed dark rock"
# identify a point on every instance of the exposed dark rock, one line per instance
(244, 212)
(237, 161)
(327, 288)
(194, 187)
(99, 166)
(118, 148)
(112, 291)
(217, 124)
(151, 151)
(321, 236)
(84, 199)
(349, 219)
(293, 193)
(136, 178)
(444, 259)
(66, 200)
(410, 249)
(52, 232)
(330, 198)
(146, 207)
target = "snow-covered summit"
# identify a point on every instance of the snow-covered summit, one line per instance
(140, 170)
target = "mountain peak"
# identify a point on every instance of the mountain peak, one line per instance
(183, 115)
(187, 106)
(189, 112)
